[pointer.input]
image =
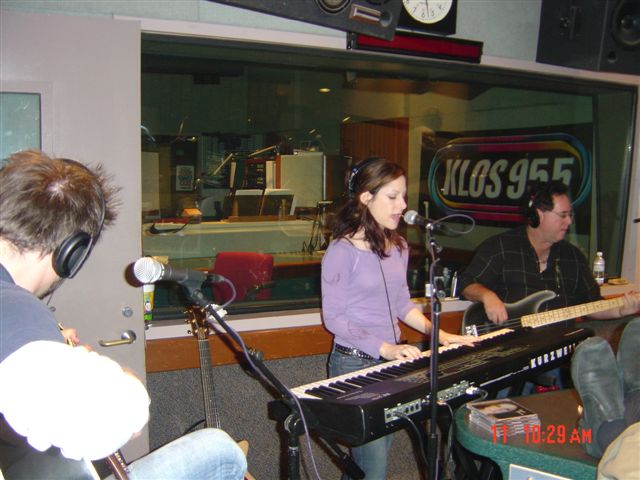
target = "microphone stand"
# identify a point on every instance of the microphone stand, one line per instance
(436, 307)
(294, 424)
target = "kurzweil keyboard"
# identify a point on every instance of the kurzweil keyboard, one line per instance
(372, 402)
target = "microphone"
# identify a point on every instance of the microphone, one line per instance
(413, 218)
(149, 270)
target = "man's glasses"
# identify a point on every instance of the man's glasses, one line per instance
(563, 215)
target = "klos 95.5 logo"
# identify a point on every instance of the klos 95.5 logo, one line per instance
(487, 177)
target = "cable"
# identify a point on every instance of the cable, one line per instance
(453, 231)
(474, 390)
(153, 230)
(386, 291)
(238, 339)
(52, 307)
(193, 427)
(234, 293)
(448, 458)
(418, 433)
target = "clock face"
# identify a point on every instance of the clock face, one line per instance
(427, 11)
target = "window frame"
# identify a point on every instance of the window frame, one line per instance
(557, 76)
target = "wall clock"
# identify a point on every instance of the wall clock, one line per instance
(428, 16)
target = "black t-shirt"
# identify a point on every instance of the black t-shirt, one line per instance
(508, 265)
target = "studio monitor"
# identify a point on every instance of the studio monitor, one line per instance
(377, 18)
(591, 34)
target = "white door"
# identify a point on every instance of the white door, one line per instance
(87, 70)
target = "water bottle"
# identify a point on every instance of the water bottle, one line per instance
(454, 285)
(598, 268)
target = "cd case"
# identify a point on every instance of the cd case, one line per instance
(502, 412)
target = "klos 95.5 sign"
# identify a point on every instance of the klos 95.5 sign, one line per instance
(487, 177)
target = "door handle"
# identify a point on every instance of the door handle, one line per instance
(127, 337)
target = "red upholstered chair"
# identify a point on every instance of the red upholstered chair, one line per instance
(250, 273)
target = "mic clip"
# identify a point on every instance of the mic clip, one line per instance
(218, 309)
(435, 245)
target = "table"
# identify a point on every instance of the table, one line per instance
(557, 447)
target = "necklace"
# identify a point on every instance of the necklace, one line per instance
(542, 263)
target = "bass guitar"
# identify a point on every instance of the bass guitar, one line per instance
(524, 313)
(200, 328)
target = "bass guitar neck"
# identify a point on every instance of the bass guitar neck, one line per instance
(525, 313)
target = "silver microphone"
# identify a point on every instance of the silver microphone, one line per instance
(413, 218)
(149, 270)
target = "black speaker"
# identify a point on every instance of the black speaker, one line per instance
(377, 18)
(591, 34)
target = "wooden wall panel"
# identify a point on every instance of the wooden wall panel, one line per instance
(377, 138)
(181, 353)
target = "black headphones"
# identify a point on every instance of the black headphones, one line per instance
(351, 187)
(74, 250)
(541, 198)
(531, 212)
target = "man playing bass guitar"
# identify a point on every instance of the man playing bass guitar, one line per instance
(535, 257)
(519, 269)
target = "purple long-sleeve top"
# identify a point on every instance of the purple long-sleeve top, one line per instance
(363, 296)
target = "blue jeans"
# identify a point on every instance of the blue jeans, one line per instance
(207, 454)
(371, 457)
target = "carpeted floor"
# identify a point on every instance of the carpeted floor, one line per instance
(242, 403)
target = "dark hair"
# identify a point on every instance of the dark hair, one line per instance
(541, 194)
(540, 197)
(370, 175)
(44, 201)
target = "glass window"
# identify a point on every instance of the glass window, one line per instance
(19, 122)
(245, 147)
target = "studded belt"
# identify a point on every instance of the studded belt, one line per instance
(352, 351)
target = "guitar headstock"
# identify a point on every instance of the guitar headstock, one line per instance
(197, 319)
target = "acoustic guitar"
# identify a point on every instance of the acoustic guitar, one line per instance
(200, 328)
(524, 313)
(117, 465)
(115, 461)
(52, 464)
